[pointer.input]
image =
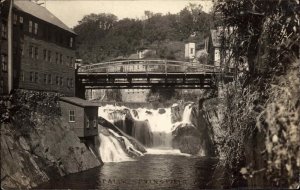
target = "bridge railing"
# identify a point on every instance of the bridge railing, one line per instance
(148, 66)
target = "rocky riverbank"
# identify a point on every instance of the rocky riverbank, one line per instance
(37, 144)
(255, 133)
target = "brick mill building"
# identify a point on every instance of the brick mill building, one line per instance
(43, 49)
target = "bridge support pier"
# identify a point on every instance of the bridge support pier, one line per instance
(79, 87)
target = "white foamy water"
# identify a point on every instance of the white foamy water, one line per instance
(186, 117)
(157, 133)
(128, 145)
(166, 151)
(111, 150)
(160, 124)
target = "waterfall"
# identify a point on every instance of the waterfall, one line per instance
(186, 117)
(153, 128)
(160, 126)
(111, 150)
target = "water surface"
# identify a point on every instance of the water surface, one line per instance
(152, 171)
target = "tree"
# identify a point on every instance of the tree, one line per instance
(263, 33)
(91, 31)
(192, 19)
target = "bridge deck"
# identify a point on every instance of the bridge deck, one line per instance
(153, 73)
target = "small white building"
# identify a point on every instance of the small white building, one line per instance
(190, 50)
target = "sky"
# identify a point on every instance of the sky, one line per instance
(72, 11)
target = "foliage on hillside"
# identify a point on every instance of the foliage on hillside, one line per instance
(103, 36)
(265, 35)
(280, 121)
(265, 98)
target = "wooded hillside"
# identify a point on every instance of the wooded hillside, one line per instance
(104, 37)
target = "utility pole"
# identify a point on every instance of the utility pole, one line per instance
(10, 47)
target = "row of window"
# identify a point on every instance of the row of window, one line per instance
(48, 79)
(47, 56)
(89, 123)
(33, 28)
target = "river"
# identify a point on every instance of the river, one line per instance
(151, 171)
(161, 166)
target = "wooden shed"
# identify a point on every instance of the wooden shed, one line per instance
(82, 116)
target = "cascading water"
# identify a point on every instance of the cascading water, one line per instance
(160, 126)
(111, 150)
(186, 117)
(153, 128)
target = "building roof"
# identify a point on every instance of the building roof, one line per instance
(41, 13)
(78, 101)
(133, 56)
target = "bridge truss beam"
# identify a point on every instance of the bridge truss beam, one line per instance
(148, 80)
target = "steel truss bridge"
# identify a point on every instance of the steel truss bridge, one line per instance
(145, 74)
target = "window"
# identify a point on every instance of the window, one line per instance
(71, 42)
(49, 56)
(45, 54)
(68, 59)
(49, 79)
(45, 78)
(60, 58)
(36, 77)
(4, 62)
(57, 80)
(95, 122)
(61, 81)
(22, 48)
(4, 30)
(87, 123)
(30, 26)
(22, 76)
(31, 77)
(56, 58)
(36, 26)
(15, 18)
(192, 50)
(71, 82)
(36, 53)
(71, 116)
(21, 20)
(21, 23)
(71, 62)
(31, 51)
(68, 82)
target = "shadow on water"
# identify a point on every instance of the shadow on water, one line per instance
(148, 172)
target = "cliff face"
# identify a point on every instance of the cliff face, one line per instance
(37, 144)
(209, 111)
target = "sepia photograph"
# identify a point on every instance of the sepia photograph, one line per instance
(150, 94)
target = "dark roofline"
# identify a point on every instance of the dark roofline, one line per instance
(73, 33)
(70, 30)
(78, 102)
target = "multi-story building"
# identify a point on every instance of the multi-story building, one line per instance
(218, 55)
(43, 50)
